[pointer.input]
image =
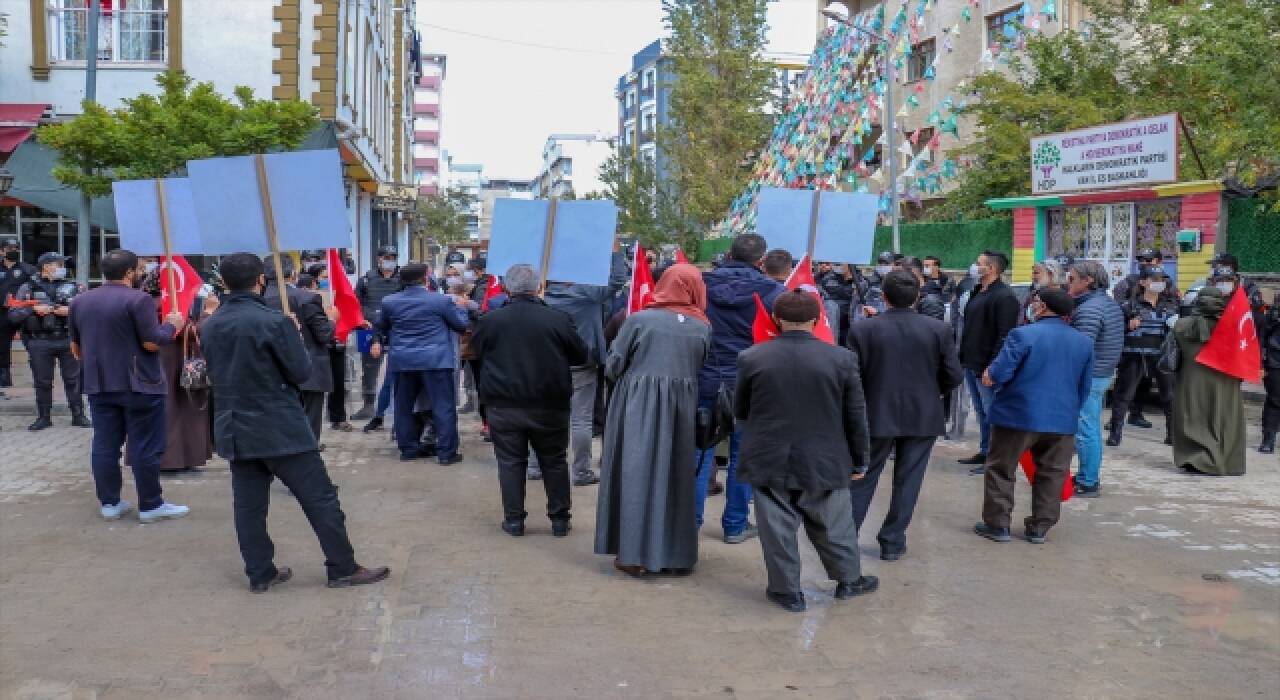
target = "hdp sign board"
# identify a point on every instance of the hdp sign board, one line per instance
(1108, 156)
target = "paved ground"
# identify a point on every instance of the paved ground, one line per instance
(1168, 586)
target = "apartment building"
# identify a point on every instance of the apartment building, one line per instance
(571, 165)
(428, 98)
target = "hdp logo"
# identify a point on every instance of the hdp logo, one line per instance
(1046, 157)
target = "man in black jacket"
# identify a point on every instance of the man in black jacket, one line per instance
(257, 362)
(317, 335)
(372, 287)
(523, 354)
(991, 313)
(908, 363)
(13, 274)
(804, 436)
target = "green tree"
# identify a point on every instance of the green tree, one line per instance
(718, 98)
(155, 135)
(646, 208)
(441, 218)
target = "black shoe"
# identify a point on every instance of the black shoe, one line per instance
(1139, 422)
(283, 574)
(792, 602)
(446, 461)
(365, 413)
(1268, 445)
(6, 378)
(1168, 439)
(1083, 491)
(341, 427)
(41, 423)
(560, 527)
(980, 458)
(892, 554)
(586, 480)
(863, 586)
(374, 423)
(80, 420)
(978, 470)
(361, 577)
(995, 534)
(515, 528)
(1113, 438)
(1034, 537)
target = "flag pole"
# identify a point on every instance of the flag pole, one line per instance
(168, 246)
(269, 218)
(547, 240)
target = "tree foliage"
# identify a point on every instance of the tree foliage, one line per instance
(442, 217)
(718, 98)
(1211, 61)
(155, 135)
(646, 208)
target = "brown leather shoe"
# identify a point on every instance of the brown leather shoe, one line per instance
(283, 574)
(361, 577)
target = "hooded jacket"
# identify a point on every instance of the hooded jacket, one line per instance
(731, 308)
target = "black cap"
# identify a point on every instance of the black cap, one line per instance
(1224, 272)
(886, 258)
(9, 241)
(1150, 271)
(1148, 254)
(454, 257)
(1224, 259)
(46, 258)
(384, 250)
(312, 254)
(478, 263)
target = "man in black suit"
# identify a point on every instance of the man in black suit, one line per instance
(908, 363)
(257, 362)
(317, 335)
(804, 436)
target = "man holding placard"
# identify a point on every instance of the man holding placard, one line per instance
(316, 322)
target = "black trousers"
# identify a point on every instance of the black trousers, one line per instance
(338, 397)
(43, 354)
(307, 478)
(1052, 454)
(1129, 375)
(910, 461)
(6, 339)
(313, 406)
(1271, 409)
(514, 431)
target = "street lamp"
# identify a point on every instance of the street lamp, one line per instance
(837, 12)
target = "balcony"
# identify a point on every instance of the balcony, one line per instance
(629, 112)
(425, 110)
(431, 82)
(427, 137)
(647, 94)
(428, 190)
(428, 164)
(647, 136)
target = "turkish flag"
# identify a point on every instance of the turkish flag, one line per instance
(1233, 346)
(344, 298)
(802, 278)
(491, 290)
(187, 281)
(680, 258)
(1029, 468)
(641, 282)
(763, 329)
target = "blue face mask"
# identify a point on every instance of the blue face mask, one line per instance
(323, 284)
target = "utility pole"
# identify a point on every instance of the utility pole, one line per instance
(84, 229)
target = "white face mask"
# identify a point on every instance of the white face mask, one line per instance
(451, 281)
(975, 271)
(60, 273)
(1226, 287)
(469, 275)
(1157, 287)
(388, 265)
(883, 269)
(1031, 314)
(150, 267)
(928, 270)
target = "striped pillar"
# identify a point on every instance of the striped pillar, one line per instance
(1026, 225)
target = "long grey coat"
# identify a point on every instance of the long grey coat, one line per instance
(646, 510)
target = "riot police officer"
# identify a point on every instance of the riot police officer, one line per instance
(41, 308)
(374, 286)
(13, 274)
(1147, 256)
(1148, 310)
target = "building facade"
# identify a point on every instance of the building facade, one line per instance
(644, 98)
(428, 100)
(355, 60)
(493, 190)
(571, 165)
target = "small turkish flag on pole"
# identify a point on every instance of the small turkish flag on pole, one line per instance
(763, 329)
(641, 282)
(344, 298)
(802, 278)
(187, 281)
(1233, 346)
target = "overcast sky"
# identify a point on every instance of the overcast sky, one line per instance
(503, 97)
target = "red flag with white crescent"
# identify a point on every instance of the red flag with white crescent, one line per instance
(186, 280)
(641, 282)
(802, 278)
(344, 298)
(763, 329)
(1233, 345)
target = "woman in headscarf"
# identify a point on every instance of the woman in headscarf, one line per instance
(1208, 413)
(646, 513)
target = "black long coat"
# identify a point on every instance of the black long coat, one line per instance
(804, 416)
(317, 333)
(257, 363)
(908, 362)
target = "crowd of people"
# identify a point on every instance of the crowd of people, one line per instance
(804, 429)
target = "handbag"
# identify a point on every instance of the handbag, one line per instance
(195, 371)
(1170, 356)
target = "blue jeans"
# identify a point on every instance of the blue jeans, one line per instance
(384, 396)
(1089, 434)
(442, 391)
(981, 396)
(737, 494)
(140, 418)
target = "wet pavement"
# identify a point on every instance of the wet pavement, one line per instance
(1168, 586)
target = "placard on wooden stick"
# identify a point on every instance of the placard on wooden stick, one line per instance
(831, 226)
(568, 241)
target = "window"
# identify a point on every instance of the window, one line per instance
(922, 57)
(631, 98)
(1004, 26)
(129, 31)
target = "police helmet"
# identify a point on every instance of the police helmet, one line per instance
(312, 255)
(454, 257)
(886, 258)
(1151, 272)
(1222, 272)
(1225, 259)
(1148, 254)
(46, 258)
(9, 242)
(388, 251)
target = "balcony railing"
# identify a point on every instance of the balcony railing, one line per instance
(430, 164)
(429, 137)
(647, 136)
(647, 94)
(628, 112)
(431, 82)
(427, 110)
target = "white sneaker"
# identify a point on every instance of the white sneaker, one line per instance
(117, 511)
(164, 511)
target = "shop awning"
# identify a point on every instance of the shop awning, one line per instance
(17, 122)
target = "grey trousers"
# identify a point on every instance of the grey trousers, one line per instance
(827, 520)
(581, 413)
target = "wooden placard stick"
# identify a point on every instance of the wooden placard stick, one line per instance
(168, 247)
(269, 218)
(546, 243)
(813, 223)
